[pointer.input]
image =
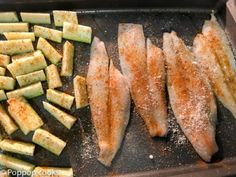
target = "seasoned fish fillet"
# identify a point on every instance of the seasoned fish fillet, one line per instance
(156, 78)
(224, 55)
(209, 65)
(190, 96)
(132, 55)
(109, 101)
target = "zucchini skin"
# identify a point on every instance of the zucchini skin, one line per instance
(19, 35)
(64, 118)
(48, 141)
(24, 115)
(8, 17)
(4, 60)
(67, 59)
(31, 78)
(7, 83)
(50, 53)
(53, 77)
(14, 27)
(36, 18)
(60, 98)
(48, 33)
(76, 32)
(61, 16)
(58, 172)
(30, 91)
(14, 47)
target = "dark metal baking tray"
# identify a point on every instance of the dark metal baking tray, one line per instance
(174, 155)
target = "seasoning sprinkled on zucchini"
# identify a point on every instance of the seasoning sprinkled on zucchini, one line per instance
(67, 60)
(4, 60)
(31, 78)
(24, 55)
(7, 83)
(48, 33)
(13, 27)
(19, 35)
(8, 17)
(2, 71)
(61, 16)
(53, 77)
(36, 18)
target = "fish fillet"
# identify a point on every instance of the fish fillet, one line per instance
(132, 55)
(190, 96)
(223, 53)
(207, 62)
(109, 101)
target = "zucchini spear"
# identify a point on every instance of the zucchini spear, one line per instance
(24, 115)
(66, 119)
(18, 147)
(48, 141)
(53, 77)
(60, 98)
(2, 71)
(16, 164)
(61, 16)
(67, 60)
(27, 65)
(77, 32)
(80, 90)
(2, 95)
(7, 83)
(48, 33)
(51, 54)
(14, 47)
(7, 123)
(24, 55)
(4, 60)
(13, 27)
(58, 172)
(19, 35)
(36, 18)
(8, 17)
(31, 78)
(28, 92)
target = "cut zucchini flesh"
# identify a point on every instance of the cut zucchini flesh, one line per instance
(27, 65)
(16, 164)
(2, 71)
(7, 123)
(77, 32)
(7, 83)
(2, 95)
(30, 91)
(8, 17)
(48, 141)
(48, 33)
(14, 47)
(24, 115)
(19, 35)
(50, 53)
(18, 147)
(53, 77)
(60, 98)
(36, 18)
(13, 27)
(61, 16)
(24, 55)
(59, 172)
(66, 119)
(31, 78)
(4, 60)
(80, 90)
(67, 60)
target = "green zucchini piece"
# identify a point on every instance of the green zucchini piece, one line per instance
(59, 172)
(31, 78)
(61, 16)
(77, 32)
(24, 55)
(8, 17)
(66, 119)
(27, 65)
(4, 60)
(7, 83)
(14, 47)
(18, 147)
(19, 35)
(48, 33)
(60, 98)
(2, 95)
(24, 115)
(2, 71)
(16, 164)
(36, 18)
(53, 77)
(13, 27)
(7, 123)
(28, 92)
(67, 60)
(80, 90)
(50, 53)
(48, 141)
